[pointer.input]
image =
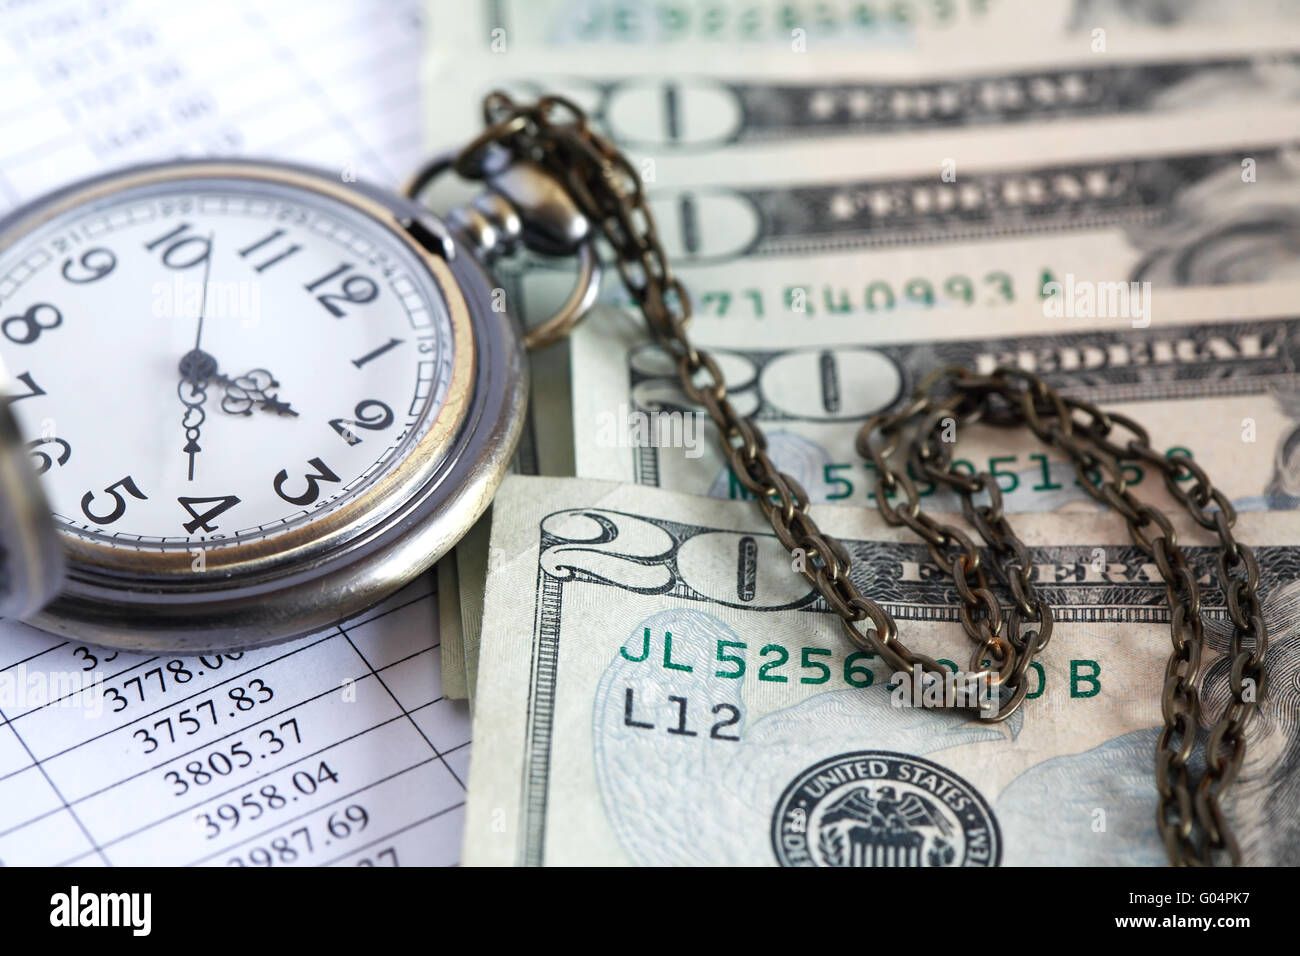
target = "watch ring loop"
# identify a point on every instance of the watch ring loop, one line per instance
(585, 289)
(575, 307)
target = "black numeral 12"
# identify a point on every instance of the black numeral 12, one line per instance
(356, 290)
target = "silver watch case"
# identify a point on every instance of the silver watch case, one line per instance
(291, 595)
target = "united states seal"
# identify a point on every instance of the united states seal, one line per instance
(877, 808)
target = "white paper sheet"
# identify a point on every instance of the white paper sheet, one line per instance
(335, 749)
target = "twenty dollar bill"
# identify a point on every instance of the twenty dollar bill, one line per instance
(659, 687)
(1214, 374)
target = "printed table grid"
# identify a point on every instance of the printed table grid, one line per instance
(333, 85)
(388, 741)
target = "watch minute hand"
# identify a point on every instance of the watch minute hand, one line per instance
(194, 414)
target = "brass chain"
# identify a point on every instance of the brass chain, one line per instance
(554, 133)
(1011, 397)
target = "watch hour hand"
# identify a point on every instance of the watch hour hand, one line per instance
(244, 392)
(253, 388)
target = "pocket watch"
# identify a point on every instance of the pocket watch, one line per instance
(258, 398)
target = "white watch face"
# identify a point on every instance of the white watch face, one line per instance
(197, 362)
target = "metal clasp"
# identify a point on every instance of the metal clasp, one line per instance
(523, 205)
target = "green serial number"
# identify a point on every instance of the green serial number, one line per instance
(993, 288)
(1005, 469)
(821, 665)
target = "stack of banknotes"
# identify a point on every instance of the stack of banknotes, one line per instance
(1103, 192)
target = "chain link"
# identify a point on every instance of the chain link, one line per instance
(554, 133)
